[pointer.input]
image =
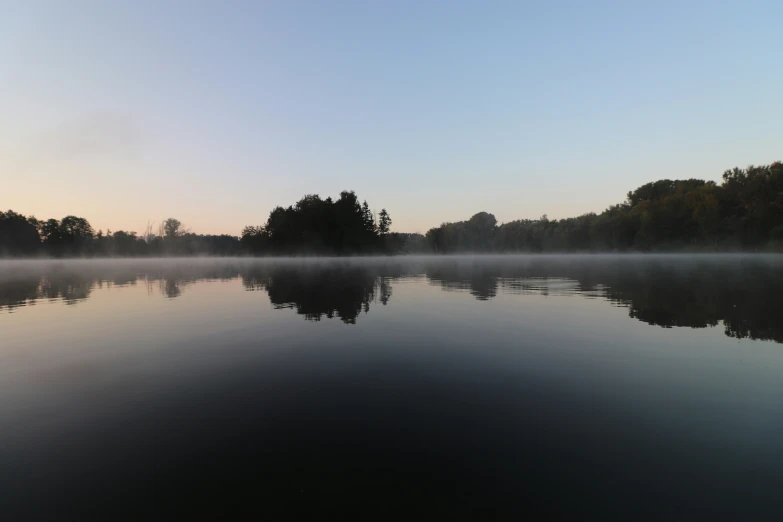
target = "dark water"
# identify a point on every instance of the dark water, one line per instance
(441, 388)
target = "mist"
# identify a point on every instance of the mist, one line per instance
(691, 290)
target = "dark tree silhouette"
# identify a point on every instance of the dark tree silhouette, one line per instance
(18, 235)
(369, 221)
(172, 228)
(317, 226)
(744, 212)
(384, 222)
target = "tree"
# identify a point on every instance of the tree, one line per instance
(126, 244)
(76, 227)
(318, 226)
(149, 235)
(18, 235)
(50, 232)
(369, 222)
(384, 222)
(76, 235)
(255, 239)
(172, 228)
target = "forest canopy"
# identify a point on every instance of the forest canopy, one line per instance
(744, 212)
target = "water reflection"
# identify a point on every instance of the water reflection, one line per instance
(180, 387)
(744, 293)
(330, 291)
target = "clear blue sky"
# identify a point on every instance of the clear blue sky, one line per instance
(215, 112)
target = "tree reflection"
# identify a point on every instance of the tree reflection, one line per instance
(477, 278)
(743, 294)
(67, 288)
(340, 290)
(19, 292)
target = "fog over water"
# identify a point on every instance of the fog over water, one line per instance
(470, 386)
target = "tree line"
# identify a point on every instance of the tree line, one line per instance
(73, 236)
(312, 226)
(743, 212)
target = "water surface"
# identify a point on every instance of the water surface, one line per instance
(479, 388)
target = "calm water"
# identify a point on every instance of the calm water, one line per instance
(462, 388)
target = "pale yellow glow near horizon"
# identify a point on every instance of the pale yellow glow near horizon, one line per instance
(107, 169)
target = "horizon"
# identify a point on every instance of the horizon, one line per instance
(155, 228)
(214, 114)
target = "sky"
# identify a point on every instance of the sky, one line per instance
(216, 112)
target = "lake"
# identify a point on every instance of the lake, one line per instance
(626, 387)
